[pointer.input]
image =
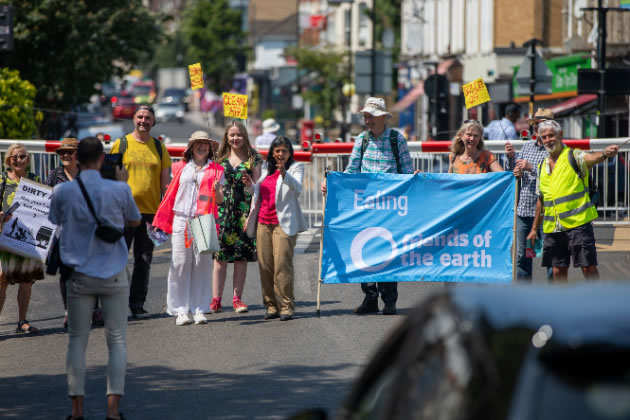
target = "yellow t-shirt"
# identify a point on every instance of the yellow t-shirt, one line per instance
(143, 164)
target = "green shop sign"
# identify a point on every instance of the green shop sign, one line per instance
(564, 73)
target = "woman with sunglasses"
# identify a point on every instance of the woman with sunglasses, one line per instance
(469, 155)
(15, 269)
(276, 219)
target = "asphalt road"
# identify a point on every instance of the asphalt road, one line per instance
(238, 366)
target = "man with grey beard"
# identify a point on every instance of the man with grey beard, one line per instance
(564, 206)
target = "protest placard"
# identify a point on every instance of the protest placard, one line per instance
(29, 233)
(196, 76)
(235, 105)
(428, 227)
(475, 93)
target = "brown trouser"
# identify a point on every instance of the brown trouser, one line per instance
(275, 261)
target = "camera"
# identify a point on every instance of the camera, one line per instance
(108, 170)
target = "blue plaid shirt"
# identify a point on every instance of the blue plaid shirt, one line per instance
(534, 153)
(379, 157)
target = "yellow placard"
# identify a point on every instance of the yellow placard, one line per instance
(235, 105)
(475, 93)
(196, 76)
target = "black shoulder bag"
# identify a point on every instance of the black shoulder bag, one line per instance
(104, 232)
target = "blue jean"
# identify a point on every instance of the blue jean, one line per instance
(524, 264)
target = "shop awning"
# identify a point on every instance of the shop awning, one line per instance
(572, 103)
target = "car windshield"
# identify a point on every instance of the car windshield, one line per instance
(141, 90)
(168, 105)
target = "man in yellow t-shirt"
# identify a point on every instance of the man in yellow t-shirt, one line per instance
(148, 177)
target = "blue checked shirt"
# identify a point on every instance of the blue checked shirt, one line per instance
(534, 153)
(378, 156)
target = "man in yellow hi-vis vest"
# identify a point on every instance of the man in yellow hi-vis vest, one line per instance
(564, 205)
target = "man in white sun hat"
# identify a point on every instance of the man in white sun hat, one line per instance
(378, 150)
(270, 127)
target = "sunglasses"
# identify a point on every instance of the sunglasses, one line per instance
(470, 121)
(19, 157)
(145, 108)
(65, 152)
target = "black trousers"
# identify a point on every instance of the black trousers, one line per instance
(388, 290)
(142, 257)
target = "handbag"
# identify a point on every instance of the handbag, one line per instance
(104, 232)
(204, 232)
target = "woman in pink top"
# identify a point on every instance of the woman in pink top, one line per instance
(277, 218)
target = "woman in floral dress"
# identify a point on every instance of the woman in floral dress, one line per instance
(241, 164)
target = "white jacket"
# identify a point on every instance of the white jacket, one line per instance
(288, 189)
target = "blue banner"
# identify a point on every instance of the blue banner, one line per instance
(424, 227)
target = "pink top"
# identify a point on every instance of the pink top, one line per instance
(268, 214)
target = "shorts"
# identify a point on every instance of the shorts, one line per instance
(577, 244)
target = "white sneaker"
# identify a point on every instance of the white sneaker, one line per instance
(200, 318)
(183, 319)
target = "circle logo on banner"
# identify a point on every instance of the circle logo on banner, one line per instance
(359, 241)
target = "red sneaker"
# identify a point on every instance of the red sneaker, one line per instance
(215, 305)
(238, 305)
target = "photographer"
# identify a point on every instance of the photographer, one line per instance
(93, 246)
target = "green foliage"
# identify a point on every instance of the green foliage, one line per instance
(214, 37)
(65, 47)
(16, 106)
(268, 113)
(387, 17)
(331, 70)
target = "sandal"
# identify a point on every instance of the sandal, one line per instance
(28, 330)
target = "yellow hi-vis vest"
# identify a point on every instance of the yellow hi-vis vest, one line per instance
(565, 197)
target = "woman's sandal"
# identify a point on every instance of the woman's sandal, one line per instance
(28, 330)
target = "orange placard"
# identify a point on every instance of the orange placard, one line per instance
(235, 105)
(196, 76)
(475, 93)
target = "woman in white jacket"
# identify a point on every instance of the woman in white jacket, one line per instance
(276, 219)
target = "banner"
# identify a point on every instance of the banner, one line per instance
(475, 93)
(196, 76)
(424, 227)
(29, 232)
(235, 105)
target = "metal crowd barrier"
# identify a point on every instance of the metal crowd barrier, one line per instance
(611, 176)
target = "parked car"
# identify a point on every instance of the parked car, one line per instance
(176, 95)
(511, 352)
(169, 111)
(124, 107)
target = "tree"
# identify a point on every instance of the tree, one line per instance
(17, 120)
(214, 36)
(65, 47)
(331, 72)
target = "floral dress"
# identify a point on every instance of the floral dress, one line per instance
(235, 244)
(15, 268)
(479, 166)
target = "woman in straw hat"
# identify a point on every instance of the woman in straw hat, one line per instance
(196, 179)
(15, 269)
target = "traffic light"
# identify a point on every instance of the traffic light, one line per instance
(436, 87)
(6, 28)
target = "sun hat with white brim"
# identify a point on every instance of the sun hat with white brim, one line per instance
(376, 107)
(270, 126)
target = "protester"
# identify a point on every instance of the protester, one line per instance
(242, 169)
(270, 127)
(276, 218)
(98, 268)
(196, 180)
(524, 165)
(148, 163)
(15, 269)
(564, 206)
(378, 150)
(468, 154)
(503, 129)
(67, 171)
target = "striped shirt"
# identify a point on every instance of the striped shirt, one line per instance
(379, 157)
(534, 153)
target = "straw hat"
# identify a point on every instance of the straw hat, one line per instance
(199, 136)
(541, 115)
(376, 107)
(68, 143)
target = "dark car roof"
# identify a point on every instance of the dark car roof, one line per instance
(586, 314)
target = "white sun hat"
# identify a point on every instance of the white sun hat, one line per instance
(375, 106)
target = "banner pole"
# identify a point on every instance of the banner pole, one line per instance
(321, 244)
(514, 244)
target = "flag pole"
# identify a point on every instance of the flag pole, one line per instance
(514, 244)
(321, 245)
